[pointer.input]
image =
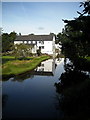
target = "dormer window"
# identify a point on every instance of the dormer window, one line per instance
(29, 42)
(33, 42)
(25, 42)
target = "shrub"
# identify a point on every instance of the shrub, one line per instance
(38, 52)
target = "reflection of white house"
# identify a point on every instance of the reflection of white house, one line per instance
(44, 42)
(46, 68)
(57, 49)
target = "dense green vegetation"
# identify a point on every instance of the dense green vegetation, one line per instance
(75, 37)
(22, 50)
(8, 41)
(74, 85)
(15, 67)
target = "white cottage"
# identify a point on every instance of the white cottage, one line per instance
(44, 42)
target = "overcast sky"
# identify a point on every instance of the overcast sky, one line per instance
(37, 17)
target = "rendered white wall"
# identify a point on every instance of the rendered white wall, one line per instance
(46, 66)
(49, 46)
(34, 49)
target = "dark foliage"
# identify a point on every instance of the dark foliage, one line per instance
(75, 37)
(74, 89)
(39, 52)
(74, 85)
(8, 41)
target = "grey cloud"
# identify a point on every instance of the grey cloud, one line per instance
(41, 28)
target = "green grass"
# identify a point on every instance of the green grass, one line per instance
(88, 58)
(7, 58)
(10, 58)
(16, 67)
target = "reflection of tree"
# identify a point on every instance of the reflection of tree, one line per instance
(74, 93)
(4, 99)
(20, 78)
(74, 85)
(6, 78)
(55, 65)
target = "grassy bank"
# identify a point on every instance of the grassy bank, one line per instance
(88, 58)
(11, 58)
(15, 67)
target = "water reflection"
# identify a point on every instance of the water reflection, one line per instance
(4, 99)
(32, 95)
(73, 91)
(46, 68)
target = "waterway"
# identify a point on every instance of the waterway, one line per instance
(33, 94)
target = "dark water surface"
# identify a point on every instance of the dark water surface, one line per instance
(33, 95)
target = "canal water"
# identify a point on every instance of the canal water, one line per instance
(33, 94)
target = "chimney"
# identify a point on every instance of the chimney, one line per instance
(19, 34)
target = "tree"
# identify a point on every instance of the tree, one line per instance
(22, 50)
(86, 9)
(58, 38)
(8, 41)
(75, 37)
(39, 51)
(5, 42)
(12, 36)
(74, 83)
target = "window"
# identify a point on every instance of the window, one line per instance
(42, 42)
(42, 65)
(29, 42)
(25, 41)
(33, 42)
(42, 47)
(42, 69)
(39, 47)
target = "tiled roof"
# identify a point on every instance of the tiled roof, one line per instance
(35, 38)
